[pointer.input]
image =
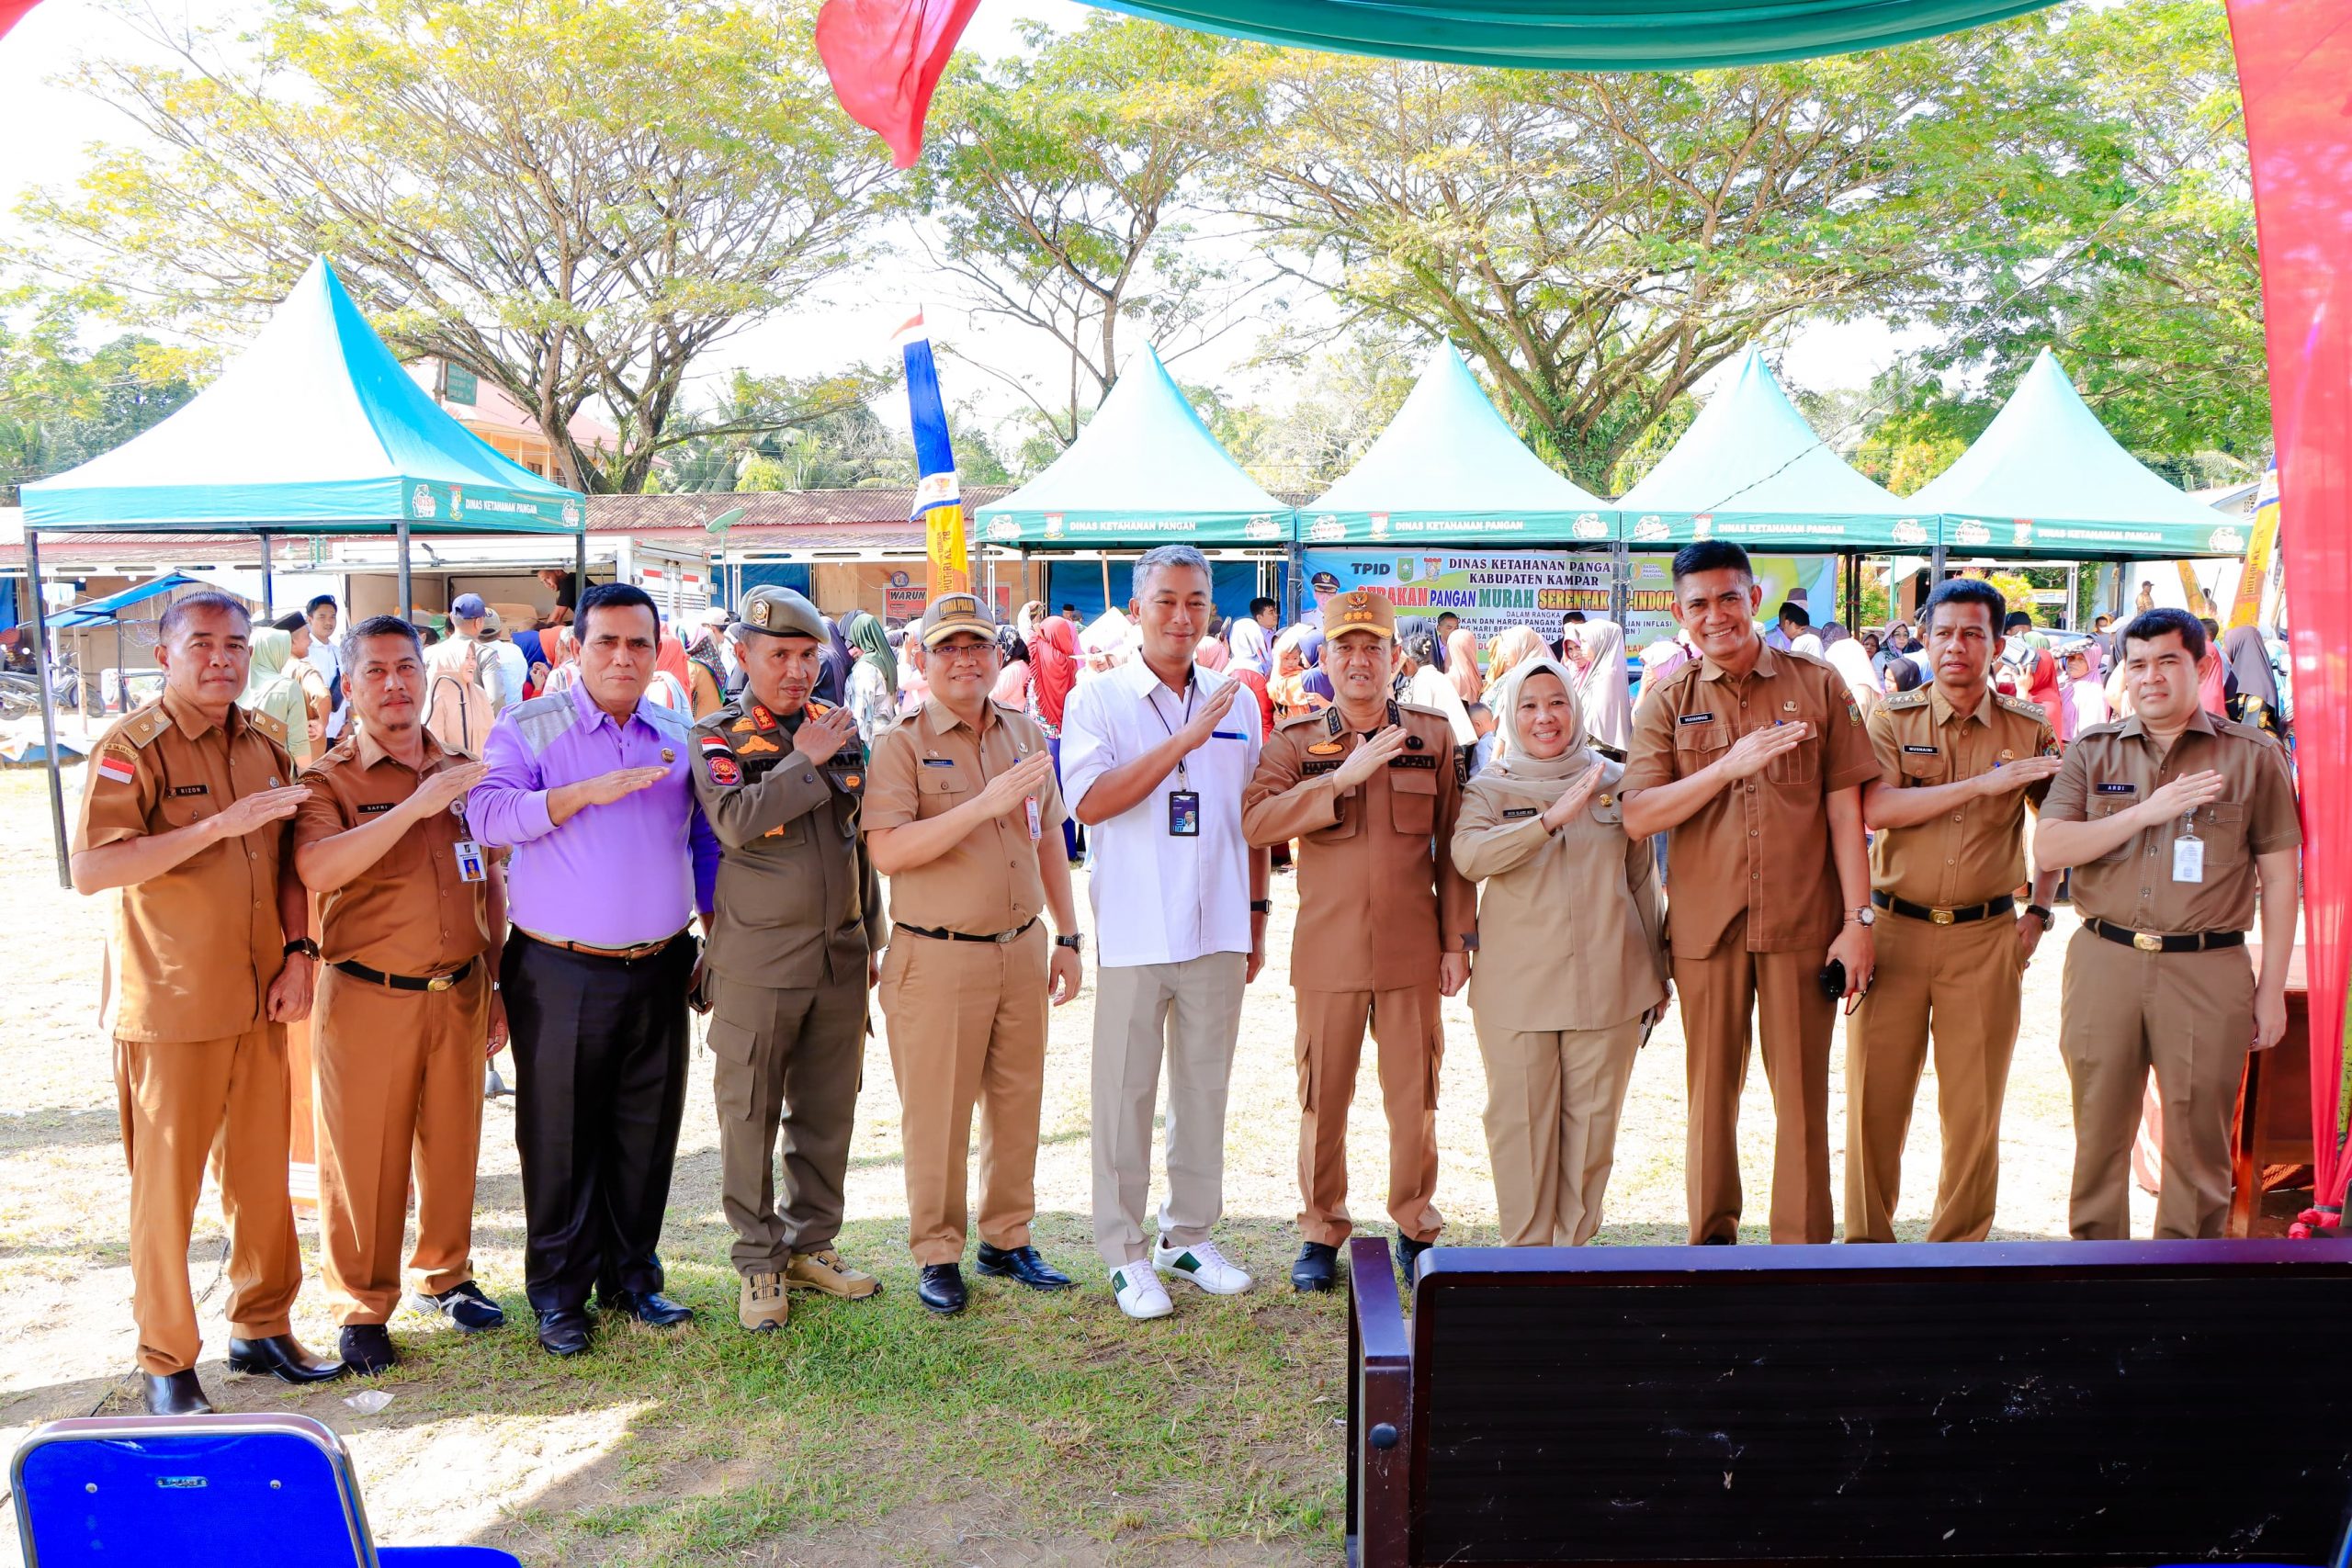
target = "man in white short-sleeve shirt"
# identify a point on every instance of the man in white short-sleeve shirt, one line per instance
(1155, 755)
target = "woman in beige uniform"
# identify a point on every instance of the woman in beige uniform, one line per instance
(1571, 964)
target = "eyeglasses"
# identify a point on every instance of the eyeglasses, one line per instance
(964, 652)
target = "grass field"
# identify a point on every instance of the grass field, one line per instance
(1028, 1431)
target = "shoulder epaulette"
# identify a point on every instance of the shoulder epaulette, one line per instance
(2022, 707)
(272, 726)
(141, 727)
(1298, 718)
(1917, 698)
(816, 710)
(1438, 714)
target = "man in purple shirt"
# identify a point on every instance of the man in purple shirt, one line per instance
(612, 863)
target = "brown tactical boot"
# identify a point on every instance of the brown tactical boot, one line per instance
(824, 1270)
(764, 1305)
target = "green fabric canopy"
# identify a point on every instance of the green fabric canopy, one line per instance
(314, 429)
(1145, 471)
(1751, 471)
(1448, 470)
(2046, 479)
(1581, 35)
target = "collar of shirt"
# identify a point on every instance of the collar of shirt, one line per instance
(2200, 722)
(938, 718)
(1941, 706)
(592, 714)
(192, 721)
(1140, 681)
(1766, 666)
(371, 750)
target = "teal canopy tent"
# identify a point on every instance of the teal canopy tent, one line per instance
(1609, 36)
(1449, 470)
(1145, 471)
(1751, 471)
(2046, 479)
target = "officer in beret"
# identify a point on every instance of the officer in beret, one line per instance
(797, 922)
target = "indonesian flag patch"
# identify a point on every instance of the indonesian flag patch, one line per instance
(116, 767)
(712, 744)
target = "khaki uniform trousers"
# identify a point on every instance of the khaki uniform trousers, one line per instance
(1961, 982)
(2188, 1016)
(1782, 990)
(1553, 1099)
(1410, 1039)
(966, 1021)
(183, 1102)
(1190, 1014)
(400, 1090)
(786, 1064)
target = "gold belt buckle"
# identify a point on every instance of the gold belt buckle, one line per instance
(2147, 941)
(439, 983)
(1941, 917)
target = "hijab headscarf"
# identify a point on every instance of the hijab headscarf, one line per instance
(1604, 697)
(1511, 759)
(2249, 660)
(1053, 661)
(1462, 663)
(1516, 645)
(1832, 634)
(1288, 684)
(833, 686)
(2082, 702)
(1211, 654)
(2213, 681)
(1852, 660)
(865, 630)
(670, 659)
(271, 688)
(1012, 681)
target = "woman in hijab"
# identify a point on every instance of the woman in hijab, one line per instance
(1604, 696)
(1572, 966)
(1423, 685)
(670, 659)
(1851, 659)
(1012, 682)
(2256, 700)
(1210, 652)
(1288, 686)
(272, 687)
(833, 686)
(2082, 697)
(1514, 647)
(873, 694)
(1462, 665)
(1054, 661)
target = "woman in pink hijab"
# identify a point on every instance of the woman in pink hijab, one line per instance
(1462, 665)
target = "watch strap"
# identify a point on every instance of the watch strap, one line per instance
(2048, 918)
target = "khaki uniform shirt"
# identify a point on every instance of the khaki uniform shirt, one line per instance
(196, 949)
(410, 913)
(988, 883)
(1975, 852)
(1572, 924)
(1761, 845)
(1376, 903)
(2113, 767)
(797, 903)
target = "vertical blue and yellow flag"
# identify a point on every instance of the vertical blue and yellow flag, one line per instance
(939, 501)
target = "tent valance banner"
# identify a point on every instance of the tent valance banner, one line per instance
(1449, 470)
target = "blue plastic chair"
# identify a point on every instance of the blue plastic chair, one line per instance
(203, 1492)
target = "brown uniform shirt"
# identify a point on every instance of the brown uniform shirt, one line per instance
(1761, 845)
(196, 949)
(797, 903)
(934, 762)
(1975, 852)
(1377, 900)
(2113, 767)
(410, 913)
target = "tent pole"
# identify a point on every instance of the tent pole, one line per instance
(1935, 567)
(1620, 561)
(268, 598)
(580, 571)
(407, 595)
(47, 710)
(1105, 559)
(1854, 589)
(1293, 561)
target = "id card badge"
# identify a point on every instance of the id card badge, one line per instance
(1036, 821)
(469, 863)
(2188, 857)
(1184, 813)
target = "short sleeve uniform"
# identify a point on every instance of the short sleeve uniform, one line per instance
(413, 912)
(988, 882)
(1975, 852)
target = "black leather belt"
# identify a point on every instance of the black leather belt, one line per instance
(1960, 917)
(2156, 941)
(1001, 937)
(407, 982)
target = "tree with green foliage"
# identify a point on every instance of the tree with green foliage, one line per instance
(59, 406)
(575, 199)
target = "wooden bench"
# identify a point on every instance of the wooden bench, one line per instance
(2058, 1403)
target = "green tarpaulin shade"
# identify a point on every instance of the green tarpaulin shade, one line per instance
(1144, 471)
(314, 429)
(1751, 471)
(1449, 470)
(1582, 35)
(2046, 479)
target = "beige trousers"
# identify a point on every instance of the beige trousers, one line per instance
(1410, 1039)
(1553, 1099)
(1190, 1014)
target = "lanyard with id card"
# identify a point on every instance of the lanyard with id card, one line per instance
(2188, 852)
(1184, 801)
(471, 867)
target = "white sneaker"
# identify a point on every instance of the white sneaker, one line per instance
(1201, 1263)
(1141, 1295)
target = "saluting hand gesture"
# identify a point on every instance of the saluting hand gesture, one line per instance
(259, 810)
(1563, 810)
(819, 739)
(2186, 794)
(1369, 758)
(448, 786)
(619, 785)
(1005, 792)
(1203, 724)
(1758, 749)
(2019, 774)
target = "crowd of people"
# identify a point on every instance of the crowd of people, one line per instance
(788, 819)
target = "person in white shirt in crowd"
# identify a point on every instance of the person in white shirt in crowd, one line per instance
(499, 664)
(1252, 637)
(326, 655)
(1155, 754)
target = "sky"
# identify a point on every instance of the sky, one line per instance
(45, 131)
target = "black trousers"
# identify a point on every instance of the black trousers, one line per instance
(600, 1059)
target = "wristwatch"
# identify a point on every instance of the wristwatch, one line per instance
(1865, 916)
(1261, 906)
(1075, 942)
(302, 945)
(2048, 919)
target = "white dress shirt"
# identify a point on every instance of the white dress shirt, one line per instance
(1158, 899)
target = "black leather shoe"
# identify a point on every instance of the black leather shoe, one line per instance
(173, 1394)
(283, 1357)
(1317, 1268)
(1409, 1252)
(651, 1309)
(1719, 1241)
(1021, 1263)
(366, 1348)
(464, 1305)
(563, 1332)
(941, 1288)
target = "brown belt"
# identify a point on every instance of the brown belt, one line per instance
(642, 950)
(2157, 941)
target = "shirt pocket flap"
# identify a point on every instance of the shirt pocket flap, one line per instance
(1923, 767)
(1712, 735)
(942, 781)
(731, 1041)
(1413, 781)
(1607, 809)
(2221, 813)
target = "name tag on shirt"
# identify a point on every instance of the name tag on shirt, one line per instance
(938, 761)
(374, 810)
(1696, 718)
(2117, 789)
(1920, 751)
(181, 791)
(1412, 759)
(1511, 813)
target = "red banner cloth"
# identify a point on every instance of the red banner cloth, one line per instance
(12, 12)
(885, 57)
(2294, 64)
